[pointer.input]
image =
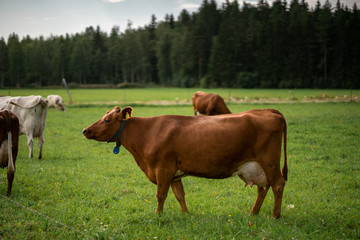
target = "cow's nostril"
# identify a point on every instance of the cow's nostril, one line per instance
(84, 131)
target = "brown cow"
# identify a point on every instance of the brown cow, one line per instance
(209, 104)
(9, 141)
(170, 147)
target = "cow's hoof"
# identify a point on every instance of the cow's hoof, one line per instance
(254, 214)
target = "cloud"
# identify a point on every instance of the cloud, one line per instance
(47, 18)
(181, 4)
(220, 2)
(113, 1)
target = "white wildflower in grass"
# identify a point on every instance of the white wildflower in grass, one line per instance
(290, 206)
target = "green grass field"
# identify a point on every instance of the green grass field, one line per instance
(183, 95)
(81, 190)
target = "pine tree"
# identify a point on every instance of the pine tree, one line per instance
(151, 51)
(60, 60)
(16, 62)
(163, 56)
(297, 72)
(80, 60)
(353, 46)
(206, 27)
(115, 55)
(225, 59)
(323, 33)
(3, 62)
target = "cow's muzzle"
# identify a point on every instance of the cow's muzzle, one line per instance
(86, 133)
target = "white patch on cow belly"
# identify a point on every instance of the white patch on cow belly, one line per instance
(178, 175)
(252, 173)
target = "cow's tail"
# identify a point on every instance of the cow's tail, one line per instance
(285, 168)
(11, 167)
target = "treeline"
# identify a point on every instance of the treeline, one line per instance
(282, 45)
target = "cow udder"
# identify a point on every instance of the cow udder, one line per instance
(252, 173)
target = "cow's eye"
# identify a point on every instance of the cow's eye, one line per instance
(107, 120)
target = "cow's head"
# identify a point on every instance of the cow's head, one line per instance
(60, 105)
(105, 127)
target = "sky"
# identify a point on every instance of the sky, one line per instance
(57, 17)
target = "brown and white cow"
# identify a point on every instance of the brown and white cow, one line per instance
(9, 141)
(209, 104)
(55, 101)
(32, 112)
(170, 147)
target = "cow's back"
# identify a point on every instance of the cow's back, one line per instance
(196, 133)
(265, 120)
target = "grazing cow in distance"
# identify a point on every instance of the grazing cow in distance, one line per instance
(56, 102)
(9, 141)
(31, 112)
(170, 147)
(209, 104)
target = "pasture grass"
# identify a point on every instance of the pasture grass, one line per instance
(81, 190)
(183, 95)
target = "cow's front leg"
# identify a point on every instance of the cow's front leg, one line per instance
(40, 144)
(30, 143)
(163, 181)
(178, 190)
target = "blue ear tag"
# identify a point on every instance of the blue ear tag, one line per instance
(116, 150)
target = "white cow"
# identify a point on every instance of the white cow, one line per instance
(31, 112)
(56, 102)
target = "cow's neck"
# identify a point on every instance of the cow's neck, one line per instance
(117, 137)
(133, 139)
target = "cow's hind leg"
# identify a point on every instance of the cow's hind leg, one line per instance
(30, 143)
(10, 176)
(278, 189)
(178, 189)
(262, 191)
(270, 162)
(40, 144)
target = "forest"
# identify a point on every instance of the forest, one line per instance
(277, 45)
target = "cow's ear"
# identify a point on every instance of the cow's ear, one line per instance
(126, 112)
(107, 112)
(117, 109)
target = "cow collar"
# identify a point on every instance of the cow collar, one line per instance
(118, 133)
